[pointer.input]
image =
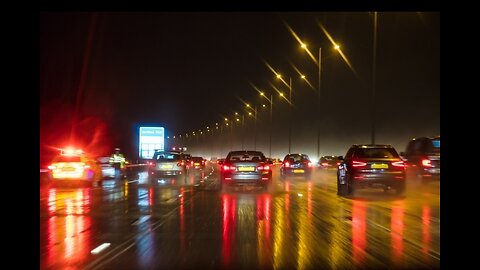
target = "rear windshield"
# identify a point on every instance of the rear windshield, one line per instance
(67, 159)
(162, 156)
(246, 156)
(376, 153)
(329, 158)
(297, 158)
(197, 159)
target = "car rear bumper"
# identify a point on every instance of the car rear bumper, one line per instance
(297, 171)
(164, 173)
(378, 180)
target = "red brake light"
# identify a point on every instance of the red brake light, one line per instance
(287, 164)
(310, 164)
(324, 164)
(228, 168)
(398, 164)
(264, 168)
(181, 163)
(426, 163)
(52, 167)
(358, 164)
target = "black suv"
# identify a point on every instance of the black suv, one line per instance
(422, 157)
(371, 166)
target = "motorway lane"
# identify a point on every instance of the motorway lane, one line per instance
(298, 223)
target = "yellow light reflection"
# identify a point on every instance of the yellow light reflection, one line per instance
(279, 230)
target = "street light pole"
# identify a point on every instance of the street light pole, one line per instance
(271, 124)
(373, 74)
(255, 130)
(290, 118)
(318, 101)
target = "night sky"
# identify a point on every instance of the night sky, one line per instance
(102, 75)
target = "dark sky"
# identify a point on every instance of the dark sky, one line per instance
(102, 75)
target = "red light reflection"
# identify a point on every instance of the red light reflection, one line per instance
(359, 230)
(426, 229)
(229, 225)
(68, 236)
(182, 220)
(397, 232)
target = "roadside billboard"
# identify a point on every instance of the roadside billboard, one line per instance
(151, 139)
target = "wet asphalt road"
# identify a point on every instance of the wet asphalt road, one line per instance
(295, 224)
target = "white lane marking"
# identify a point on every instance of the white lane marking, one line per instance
(100, 248)
(141, 220)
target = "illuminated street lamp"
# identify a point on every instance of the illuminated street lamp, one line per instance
(271, 121)
(255, 125)
(337, 48)
(243, 125)
(289, 113)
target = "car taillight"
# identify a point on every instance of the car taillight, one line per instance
(357, 164)
(228, 168)
(324, 164)
(399, 164)
(181, 163)
(150, 163)
(310, 164)
(426, 163)
(338, 163)
(191, 163)
(52, 167)
(86, 166)
(264, 168)
(287, 164)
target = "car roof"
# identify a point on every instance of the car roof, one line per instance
(246, 152)
(429, 138)
(372, 146)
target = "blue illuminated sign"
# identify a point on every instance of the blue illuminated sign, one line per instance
(151, 139)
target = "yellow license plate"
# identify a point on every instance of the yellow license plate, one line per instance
(196, 164)
(166, 166)
(298, 171)
(246, 169)
(379, 166)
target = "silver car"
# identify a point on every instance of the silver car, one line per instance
(167, 164)
(108, 171)
(246, 168)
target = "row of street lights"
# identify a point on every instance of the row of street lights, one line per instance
(318, 104)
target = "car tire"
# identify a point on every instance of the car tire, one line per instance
(400, 190)
(350, 188)
(342, 189)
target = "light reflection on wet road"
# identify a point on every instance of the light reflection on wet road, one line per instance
(297, 224)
